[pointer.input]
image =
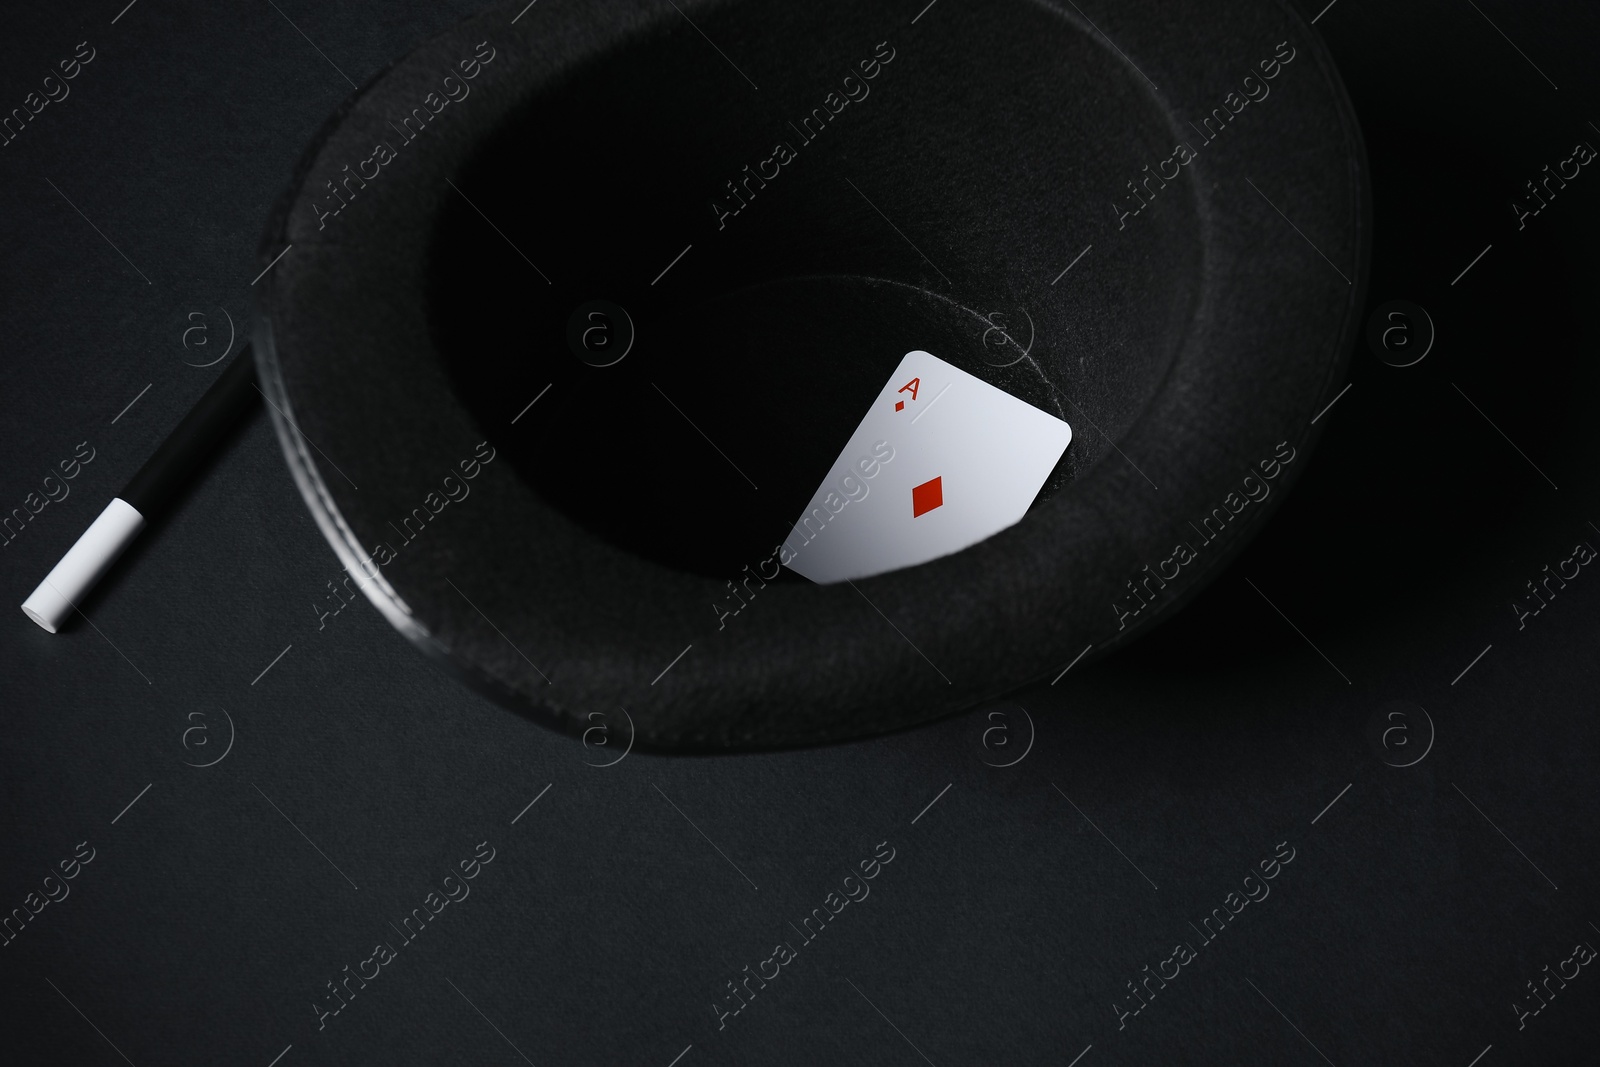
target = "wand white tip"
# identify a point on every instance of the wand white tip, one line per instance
(83, 564)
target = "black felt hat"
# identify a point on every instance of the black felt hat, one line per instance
(1154, 226)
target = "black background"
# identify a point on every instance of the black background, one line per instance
(1414, 911)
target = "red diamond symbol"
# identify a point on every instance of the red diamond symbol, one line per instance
(926, 497)
(900, 405)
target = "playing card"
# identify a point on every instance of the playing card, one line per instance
(941, 461)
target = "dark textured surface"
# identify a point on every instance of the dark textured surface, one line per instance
(1005, 928)
(1202, 331)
